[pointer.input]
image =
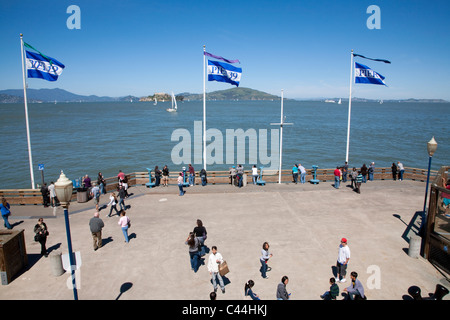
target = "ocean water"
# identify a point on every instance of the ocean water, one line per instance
(87, 138)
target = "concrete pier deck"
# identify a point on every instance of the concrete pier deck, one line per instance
(302, 223)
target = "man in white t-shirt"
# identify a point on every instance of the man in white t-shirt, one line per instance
(215, 258)
(342, 261)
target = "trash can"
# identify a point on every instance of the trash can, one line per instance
(56, 263)
(415, 243)
(82, 195)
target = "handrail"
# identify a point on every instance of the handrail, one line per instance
(33, 196)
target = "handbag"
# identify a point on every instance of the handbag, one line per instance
(223, 268)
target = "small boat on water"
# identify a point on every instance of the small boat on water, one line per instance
(340, 101)
(156, 102)
(174, 105)
(330, 101)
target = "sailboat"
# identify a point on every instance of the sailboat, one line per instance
(174, 105)
(156, 102)
(340, 101)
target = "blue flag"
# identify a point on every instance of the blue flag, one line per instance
(364, 74)
(43, 67)
(224, 72)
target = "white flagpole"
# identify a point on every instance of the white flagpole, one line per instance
(204, 108)
(281, 137)
(349, 106)
(26, 114)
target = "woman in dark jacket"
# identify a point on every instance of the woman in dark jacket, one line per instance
(394, 171)
(157, 176)
(364, 172)
(200, 233)
(41, 231)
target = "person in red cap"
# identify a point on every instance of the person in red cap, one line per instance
(342, 260)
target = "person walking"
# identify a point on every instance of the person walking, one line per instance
(265, 256)
(356, 290)
(96, 225)
(112, 203)
(342, 260)
(215, 258)
(5, 210)
(193, 242)
(41, 234)
(359, 180)
(180, 184)
(282, 293)
(353, 176)
(101, 182)
(95, 194)
(124, 223)
(201, 235)
(122, 196)
(248, 291)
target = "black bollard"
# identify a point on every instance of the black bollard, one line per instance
(414, 292)
(440, 292)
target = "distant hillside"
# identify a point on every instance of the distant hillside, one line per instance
(51, 95)
(232, 94)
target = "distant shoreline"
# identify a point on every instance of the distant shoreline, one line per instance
(234, 94)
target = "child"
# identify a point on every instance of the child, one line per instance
(333, 293)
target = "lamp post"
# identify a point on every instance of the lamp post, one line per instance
(64, 188)
(431, 148)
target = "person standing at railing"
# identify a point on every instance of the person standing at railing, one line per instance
(157, 176)
(302, 172)
(401, 170)
(364, 172)
(295, 173)
(240, 175)
(394, 171)
(165, 175)
(345, 172)
(191, 175)
(232, 175)
(52, 192)
(337, 177)
(371, 171)
(45, 195)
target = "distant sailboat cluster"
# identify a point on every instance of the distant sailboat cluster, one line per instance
(333, 101)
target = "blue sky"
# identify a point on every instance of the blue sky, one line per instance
(142, 47)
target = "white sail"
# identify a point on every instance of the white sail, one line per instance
(340, 101)
(174, 104)
(156, 101)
